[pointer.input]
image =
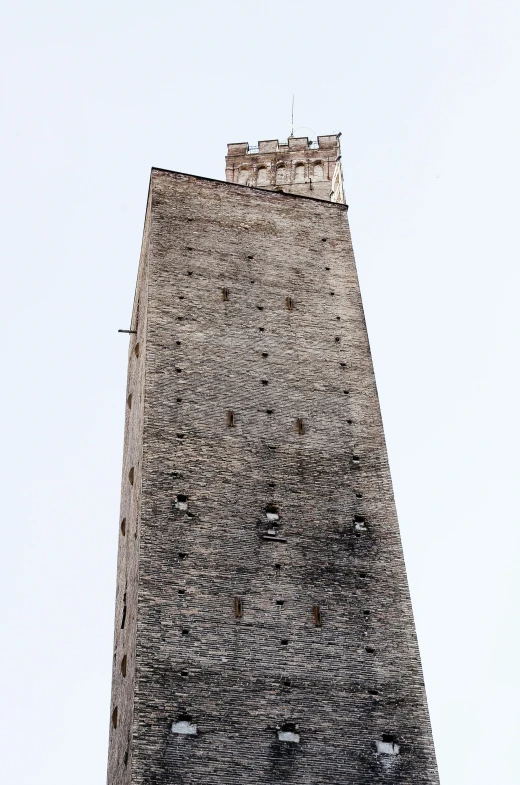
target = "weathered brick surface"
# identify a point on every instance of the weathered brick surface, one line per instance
(296, 166)
(344, 686)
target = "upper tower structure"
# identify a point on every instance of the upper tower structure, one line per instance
(296, 166)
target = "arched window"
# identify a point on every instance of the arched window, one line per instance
(243, 175)
(261, 178)
(318, 171)
(280, 174)
(299, 173)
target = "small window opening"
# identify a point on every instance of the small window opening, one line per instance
(327, 268)
(265, 382)
(239, 608)
(366, 613)
(182, 556)
(288, 733)
(225, 294)
(184, 726)
(346, 392)
(123, 666)
(178, 343)
(355, 459)
(114, 718)
(269, 411)
(362, 575)
(271, 484)
(289, 304)
(265, 354)
(278, 566)
(123, 527)
(179, 400)
(185, 632)
(262, 329)
(299, 425)
(284, 642)
(271, 512)
(180, 436)
(323, 239)
(178, 370)
(181, 297)
(181, 591)
(181, 502)
(129, 401)
(260, 307)
(343, 365)
(190, 272)
(338, 318)
(125, 758)
(337, 339)
(124, 615)
(280, 602)
(316, 613)
(374, 692)
(136, 350)
(185, 674)
(388, 746)
(359, 523)
(180, 318)
(131, 475)
(250, 256)
(349, 422)
(286, 682)
(370, 650)
(230, 419)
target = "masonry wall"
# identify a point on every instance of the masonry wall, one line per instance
(296, 166)
(125, 622)
(274, 627)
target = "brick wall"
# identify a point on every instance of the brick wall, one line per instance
(274, 631)
(296, 166)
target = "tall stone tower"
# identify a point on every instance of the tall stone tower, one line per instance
(264, 631)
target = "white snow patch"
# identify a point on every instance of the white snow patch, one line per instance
(272, 516)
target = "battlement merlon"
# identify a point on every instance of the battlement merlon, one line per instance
(297, 166)
(329, 142)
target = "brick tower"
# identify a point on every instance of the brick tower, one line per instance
(264, 631)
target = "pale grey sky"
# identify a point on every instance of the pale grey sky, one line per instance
(426, 95)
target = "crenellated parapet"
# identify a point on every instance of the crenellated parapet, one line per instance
(298, 166)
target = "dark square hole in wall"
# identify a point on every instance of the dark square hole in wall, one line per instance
(185, 632)
(389, 738)
(264, 382)
(182, 556)
(284, 642)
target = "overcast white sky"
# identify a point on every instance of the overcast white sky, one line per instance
(426, 95)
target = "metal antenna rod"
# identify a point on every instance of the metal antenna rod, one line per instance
(292, 117)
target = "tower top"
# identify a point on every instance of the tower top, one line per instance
(297, 166)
